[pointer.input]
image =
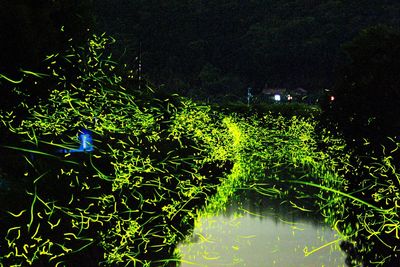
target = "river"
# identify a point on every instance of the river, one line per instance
(257, 231)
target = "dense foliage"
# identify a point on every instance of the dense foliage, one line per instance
(367, 94)
(223, 47)
(157, 160)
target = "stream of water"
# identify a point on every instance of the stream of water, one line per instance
(255, 231)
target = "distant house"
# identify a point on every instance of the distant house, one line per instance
(274, 94)
(283, 94)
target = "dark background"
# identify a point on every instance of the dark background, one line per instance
(221, 47)
(195, 46)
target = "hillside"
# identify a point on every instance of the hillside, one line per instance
(225, 46)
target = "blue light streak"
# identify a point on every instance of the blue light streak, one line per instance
(86, 143)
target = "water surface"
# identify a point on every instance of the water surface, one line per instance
(256, 231)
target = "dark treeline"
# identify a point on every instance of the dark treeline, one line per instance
(200, 47)
(225, 46)
(367, 91)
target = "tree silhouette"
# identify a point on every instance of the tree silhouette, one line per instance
(367, 95)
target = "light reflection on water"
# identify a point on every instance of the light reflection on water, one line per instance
(262, 234)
